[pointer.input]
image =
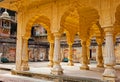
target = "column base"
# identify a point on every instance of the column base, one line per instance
(109, 73)
(18, 68)
(88, 62)
(50, 64)
(57, 70)
(84, 67)
(70, 64)
(100, 66)
(25, 68)
(110, 79)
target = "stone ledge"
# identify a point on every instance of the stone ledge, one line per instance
(55, 78)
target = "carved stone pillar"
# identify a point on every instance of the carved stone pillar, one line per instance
(84, 65)
(88, 51)
(109, 59)
(25, 57)
(57, 70)
(70, 56)
(70, 40)
(99, 57)
(51, 50)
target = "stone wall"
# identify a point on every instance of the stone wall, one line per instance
(77, 53)
(38, 54)
(8, 51)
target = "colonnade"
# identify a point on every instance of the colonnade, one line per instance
(55, 55)
(75, 16)
(108, 60)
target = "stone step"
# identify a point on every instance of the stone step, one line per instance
(16, 78)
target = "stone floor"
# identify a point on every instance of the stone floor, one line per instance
(14, 78)
(41, 68)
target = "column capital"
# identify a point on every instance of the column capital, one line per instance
(83, 42)
(88, 43)
(50, 38)
(109, 29)
(25, 40)
(57, 34)
(99, 41)
(70, 44)
(51, 43)
(70, 38)
(25, 37)
(70, 41)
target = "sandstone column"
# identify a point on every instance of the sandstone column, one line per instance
(57, 70)
(19, 42)
(51, 50)
(25, 57)
(109, 59)
(99, 56)
(84, 65)
(70, 56)
(70, 40)
(88, 51)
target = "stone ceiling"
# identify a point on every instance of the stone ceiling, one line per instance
(106, 11)
(10, 4)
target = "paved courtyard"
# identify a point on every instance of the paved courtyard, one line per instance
(41, 67)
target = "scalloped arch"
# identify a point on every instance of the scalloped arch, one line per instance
(65, 14)
(38, 19)
(87, 17)
(96, 31)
